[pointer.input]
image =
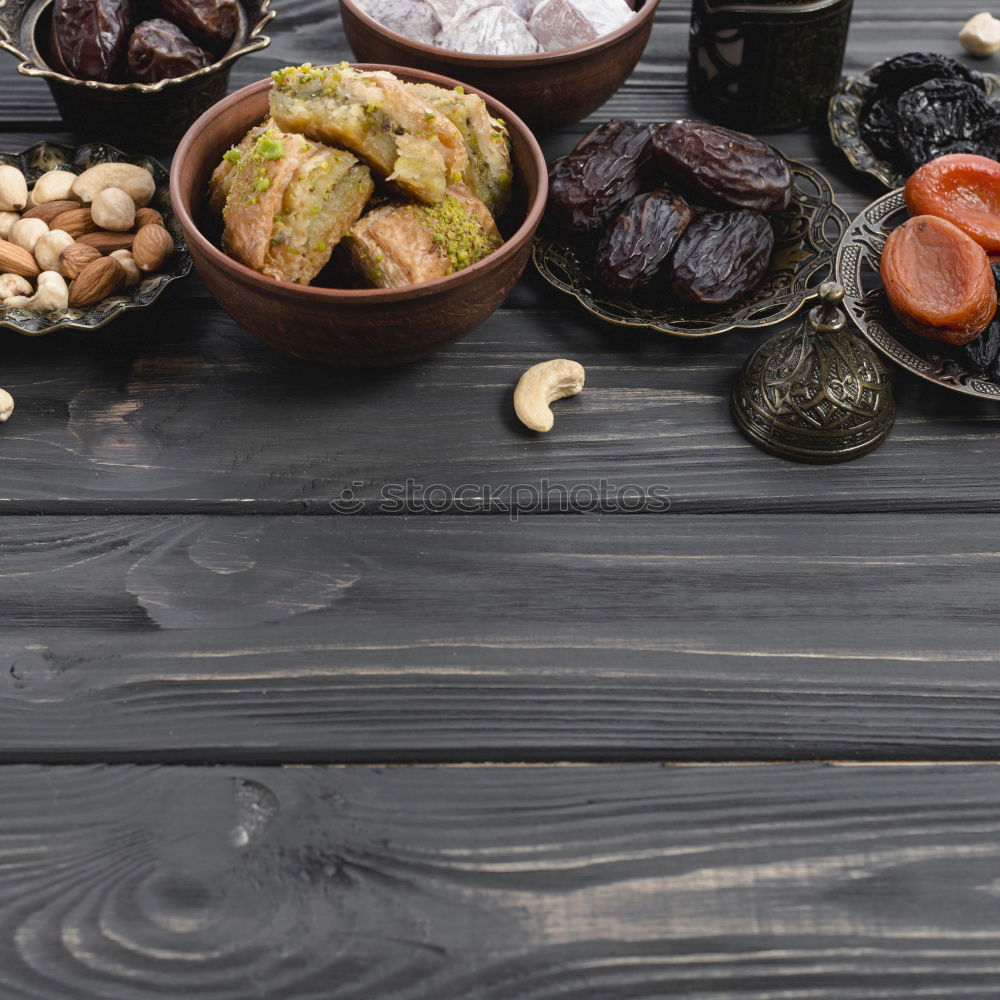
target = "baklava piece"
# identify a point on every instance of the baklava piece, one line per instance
(488, 175)
(379, 118)
(402, 244)
(290, 201)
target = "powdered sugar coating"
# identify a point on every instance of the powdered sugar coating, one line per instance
(500, 27)
(414, 19)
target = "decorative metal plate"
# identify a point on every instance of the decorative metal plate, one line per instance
(844, 119)
(857, 269)
(806, 235)
(43, 156)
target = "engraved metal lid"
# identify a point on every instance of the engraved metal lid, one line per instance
(815, 393)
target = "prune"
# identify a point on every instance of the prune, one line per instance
(604, 171)
(894, 76)
(965, 190)
(938, 280)
(89, 37)
(879, 127)
(209, 23)
(641, 238)
(721, 256)
(731, 166)
(939, 113)
(159, 50)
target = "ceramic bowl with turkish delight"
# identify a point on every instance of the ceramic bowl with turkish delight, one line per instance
(551, 61)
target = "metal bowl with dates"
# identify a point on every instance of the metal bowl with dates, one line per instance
(132, 115)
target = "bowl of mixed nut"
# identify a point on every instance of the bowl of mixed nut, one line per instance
(85, 234)
(133, 75)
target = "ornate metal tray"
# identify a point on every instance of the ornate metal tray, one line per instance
(857, 269)
(844, 117)
(806, 235)
(44, 156)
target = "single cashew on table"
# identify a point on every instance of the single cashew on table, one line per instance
(541, 385)
(6, 405)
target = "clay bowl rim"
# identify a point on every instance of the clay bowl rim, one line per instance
(472, 59)
(524, 233)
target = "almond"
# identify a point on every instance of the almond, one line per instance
(153, 245)
(96, 282)
(76, 221)
(50, 210)
(108, 242)
(147, 217)
(76, 257)
(17, 260)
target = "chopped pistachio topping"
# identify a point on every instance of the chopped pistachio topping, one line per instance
(268, 148)
(233, 156)
(457, 232)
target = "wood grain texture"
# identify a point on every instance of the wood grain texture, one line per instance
(272, 639)
(715, 883)
(182, 411)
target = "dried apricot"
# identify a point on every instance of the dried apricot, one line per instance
(965, 190)
(938, 280)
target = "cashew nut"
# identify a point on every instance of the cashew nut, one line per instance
(52, 294)
(132, 273)
(13, 189)
(543, 384)
(980, 35)
(136, 182)
(27, 232)
(49, 246)
(13, 284)
(7, 220)
(6, 405)
(54, 185)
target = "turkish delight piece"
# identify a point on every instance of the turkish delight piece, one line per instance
(414, 19)
(523, 8)
(493, 30)
(447, 10)
(558, 24)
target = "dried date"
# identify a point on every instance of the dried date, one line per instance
(604, 171)
(209, 23)
(731, 166)
(159, 50)
(641, 238)
(721, 256)
(89, 37)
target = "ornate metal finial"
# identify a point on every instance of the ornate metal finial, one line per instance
(828, 316)
(815, 393)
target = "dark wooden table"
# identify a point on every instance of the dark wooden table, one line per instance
(254, 746)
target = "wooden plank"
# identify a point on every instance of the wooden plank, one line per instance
(364, 639)
(562, 883)
(181, 407)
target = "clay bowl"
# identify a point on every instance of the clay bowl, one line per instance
(132, 115)
(547, 90)
(343, 326)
